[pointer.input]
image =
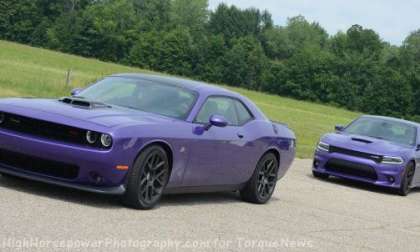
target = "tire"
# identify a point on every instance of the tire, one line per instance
(404, 189)
(147, 179)
(320, 175)
(262, 184)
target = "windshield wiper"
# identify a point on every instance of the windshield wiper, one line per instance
(130, 107)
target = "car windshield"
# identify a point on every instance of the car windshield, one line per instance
(144, 95)
(389, 130)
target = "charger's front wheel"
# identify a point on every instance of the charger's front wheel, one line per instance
(407, 178)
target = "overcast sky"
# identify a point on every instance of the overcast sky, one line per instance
(392, 19)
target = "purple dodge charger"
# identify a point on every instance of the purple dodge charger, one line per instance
(140, 136)
(380, 150)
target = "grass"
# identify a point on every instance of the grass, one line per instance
(28, 71)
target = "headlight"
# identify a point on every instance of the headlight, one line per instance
(91, 137)
(323, 147)
(392, 160)
(106, 140)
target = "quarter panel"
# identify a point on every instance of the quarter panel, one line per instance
(263, 138)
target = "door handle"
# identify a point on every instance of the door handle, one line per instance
(240, 135)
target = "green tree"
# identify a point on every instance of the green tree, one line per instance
(176, 52)
(240, 47)
(358, 63)
(168, 52)
(283, 42)
(190, 14)
(390, 94)
(244, 63)
(105, 30)
(309, 75)
(154, 14)
(410, 50)
(18, 19)
(360, 41)
(274, 77)
(410, 65)
(302, 33)
(233, 22)
(209, 58)
(116, 27)
(145, 53)
(277, 44)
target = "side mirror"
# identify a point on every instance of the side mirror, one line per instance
(217, 121)
(76, 91)
(418, 147)
(339, 128)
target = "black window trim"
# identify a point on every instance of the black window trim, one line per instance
(252, 118)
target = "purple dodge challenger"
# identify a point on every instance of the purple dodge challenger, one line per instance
(380, 150)
(140, 136)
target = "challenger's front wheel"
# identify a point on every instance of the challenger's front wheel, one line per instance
(147, 179)
(260, 187)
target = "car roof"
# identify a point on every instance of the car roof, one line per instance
(393, 119)
(197, 86)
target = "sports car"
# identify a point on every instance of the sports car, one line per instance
(141, 136)
(379, 150)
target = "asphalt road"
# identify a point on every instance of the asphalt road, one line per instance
(305, 214)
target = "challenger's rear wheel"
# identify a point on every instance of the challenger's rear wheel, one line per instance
(404, 189)
(260, 187)
(147, 179)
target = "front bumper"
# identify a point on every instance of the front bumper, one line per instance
(118, 190)
(385, 175)
(92, 163)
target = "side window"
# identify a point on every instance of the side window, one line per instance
(244, 115)
(218, 106)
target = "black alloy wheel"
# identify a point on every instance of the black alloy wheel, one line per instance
(261, 186)
(407, 179)
(147, 179)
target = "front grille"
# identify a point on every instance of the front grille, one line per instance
(351, 168)
(43, 129)
(376, 158)
(38, 165)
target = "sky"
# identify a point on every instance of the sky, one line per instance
(392, 19)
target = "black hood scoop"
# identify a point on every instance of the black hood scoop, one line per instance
(361, 140)
(79, 102)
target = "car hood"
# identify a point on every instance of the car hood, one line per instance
(56, 111)
(365, 144)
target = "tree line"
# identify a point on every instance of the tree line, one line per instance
(354, 69)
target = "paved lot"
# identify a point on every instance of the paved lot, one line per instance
(305, 215)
